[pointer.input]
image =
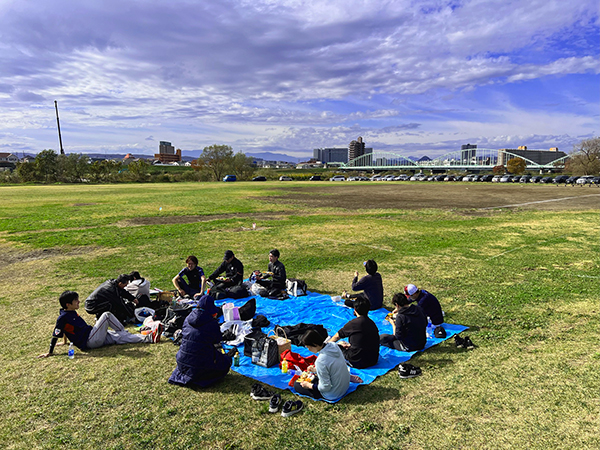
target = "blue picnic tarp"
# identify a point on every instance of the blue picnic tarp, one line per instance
(320, 309)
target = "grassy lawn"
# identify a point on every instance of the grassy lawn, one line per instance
(525, 280)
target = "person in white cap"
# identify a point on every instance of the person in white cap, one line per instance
(430, 306)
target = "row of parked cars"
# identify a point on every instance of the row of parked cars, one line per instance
(560, 179)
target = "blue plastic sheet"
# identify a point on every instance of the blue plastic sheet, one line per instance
(321, 309)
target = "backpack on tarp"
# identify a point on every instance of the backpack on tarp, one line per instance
(295, 287)
(174, 318)
(249, 340)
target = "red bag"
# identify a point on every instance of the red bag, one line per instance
(295, 360)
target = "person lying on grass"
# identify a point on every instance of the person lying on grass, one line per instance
(410, 326)
(333, 376)
(362, 350)
(71, 326)
(196, 280)
(371, 285)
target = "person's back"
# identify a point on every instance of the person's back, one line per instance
(362, 349)
(107, 297)
(431, 307)
(411, 327)
(333, 373)
(372, 286)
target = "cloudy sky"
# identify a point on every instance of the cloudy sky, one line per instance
(417, 77)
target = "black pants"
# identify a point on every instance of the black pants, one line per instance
(350, 303)
(314, 393)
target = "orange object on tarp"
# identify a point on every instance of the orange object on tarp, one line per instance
(298, 361)
(293, 380)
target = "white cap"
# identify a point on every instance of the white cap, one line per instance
(410, 289)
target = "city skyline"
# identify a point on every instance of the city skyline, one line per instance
(420, 78)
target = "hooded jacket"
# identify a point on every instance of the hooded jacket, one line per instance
(411, 325)
(198, 361)
(332, 371)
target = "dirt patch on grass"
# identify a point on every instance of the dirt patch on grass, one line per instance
(420, 195)
(175, 220)
(11, 256)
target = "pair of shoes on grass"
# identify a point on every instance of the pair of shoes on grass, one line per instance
(291, 407)
(463, 342)
(409, 371)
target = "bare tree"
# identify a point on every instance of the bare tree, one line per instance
(585, 158)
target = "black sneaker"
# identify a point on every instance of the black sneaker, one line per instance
(408, 371)
(459, 342)
(468, 343)
(439, 332)
(259, 392)
(274, 403)
(292, 407)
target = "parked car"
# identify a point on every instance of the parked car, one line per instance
(388, 178)
(316, 178)
(506, 179)
(449, 178)
(375, 178)
(259, 178)
(546, 180)
(572, 180)
(402, 177)
(596, 181)
(466, 178)
(338, 178)
(516, 178)
(560, 179)
(475, 178)
(536, 179)
(229, 178)
(584, 180)
(439, 178)
(525, 179)
(486, 178)
(496, 178)
(285, 178)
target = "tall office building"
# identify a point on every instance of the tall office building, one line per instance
(166, 153)
(468, 153)
(357, 148)
(330, 155)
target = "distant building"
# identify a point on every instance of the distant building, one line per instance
(329, 155)
(9, 158)
(537, 156)
(357, 148)
(167, 154)
(468, 154)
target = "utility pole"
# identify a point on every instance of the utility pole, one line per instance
(62, 152)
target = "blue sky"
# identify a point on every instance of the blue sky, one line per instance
(287, 76)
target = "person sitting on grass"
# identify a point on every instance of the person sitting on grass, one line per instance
(409, 327)
(332, 378)
(199, 361)
(277, 269)
(111, 296)
(234, 272)
(362, 350)
(139, 287)
(429, 304)
(371, 285)
(196, 281)
(71, 326)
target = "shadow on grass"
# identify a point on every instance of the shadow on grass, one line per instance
(135, 351)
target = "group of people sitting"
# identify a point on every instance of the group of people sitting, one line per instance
(200, 360)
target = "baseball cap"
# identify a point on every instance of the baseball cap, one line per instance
(228, 254)
(410, 289)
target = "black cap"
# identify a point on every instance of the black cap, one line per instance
(275, 253)
(228, 255)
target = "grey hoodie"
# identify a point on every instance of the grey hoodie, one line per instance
(333, 373)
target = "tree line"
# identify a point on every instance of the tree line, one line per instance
(51, 167)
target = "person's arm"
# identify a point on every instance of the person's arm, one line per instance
(176, 284)
(202, 284)
(53, 342)
(359, 285)
(218, 271)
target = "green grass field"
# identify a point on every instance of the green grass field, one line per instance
(525, 281)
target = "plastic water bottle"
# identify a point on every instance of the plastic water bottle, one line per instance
(236, 359)
(71, 351)
(429, 329)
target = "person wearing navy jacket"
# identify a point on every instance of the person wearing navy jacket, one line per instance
(199, 361)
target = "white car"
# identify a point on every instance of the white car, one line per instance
(338, 178)
(402, 177)
(587, 179)
(284, 178)
(376, 178)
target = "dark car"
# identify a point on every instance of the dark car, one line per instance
(572, 180)
(546, 180)
(486, 178)
(535, 179)
(259, 179)
(560, 179)
(439, 178)
(525, 179)
(315, 178)
(596, 181)
(516, 179)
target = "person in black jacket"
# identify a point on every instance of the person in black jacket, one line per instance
(371, 285)
(234, 272)
(277, 268)
(199, 362)
(409, 327)
(111, 296)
